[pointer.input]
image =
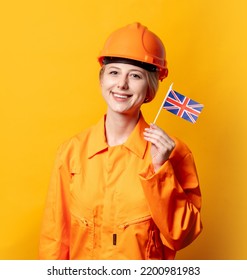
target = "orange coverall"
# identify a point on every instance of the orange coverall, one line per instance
(108, 203)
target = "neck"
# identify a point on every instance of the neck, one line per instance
(118, 127)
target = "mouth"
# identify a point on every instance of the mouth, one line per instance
(122, 96)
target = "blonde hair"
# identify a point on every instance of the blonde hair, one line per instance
(153, 83)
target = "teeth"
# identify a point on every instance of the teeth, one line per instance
(121, 96)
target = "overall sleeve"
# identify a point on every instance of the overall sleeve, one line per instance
(174, 198)
(54, 238)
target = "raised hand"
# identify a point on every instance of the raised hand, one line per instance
(162, 145)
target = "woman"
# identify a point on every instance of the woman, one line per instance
(123, 189)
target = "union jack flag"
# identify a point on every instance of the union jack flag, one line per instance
(182, 106)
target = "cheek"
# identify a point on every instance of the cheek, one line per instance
(143, 90)
(106, 84)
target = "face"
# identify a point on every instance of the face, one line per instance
(124, 87)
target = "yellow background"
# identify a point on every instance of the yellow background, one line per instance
(49, 91)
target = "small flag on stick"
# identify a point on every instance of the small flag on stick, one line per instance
(181, 106)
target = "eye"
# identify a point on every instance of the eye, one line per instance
(113, 72)
(136, 76)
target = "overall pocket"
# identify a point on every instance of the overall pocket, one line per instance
(141, 239)
(82, 234)
(135, 222)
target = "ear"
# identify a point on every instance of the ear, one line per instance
(101, 73)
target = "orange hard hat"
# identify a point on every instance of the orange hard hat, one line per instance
(135, 42)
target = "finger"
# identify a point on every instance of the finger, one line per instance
(157, 130)
(159, 142)
(159, 135)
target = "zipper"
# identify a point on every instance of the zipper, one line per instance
(135, 221)
(82, 220)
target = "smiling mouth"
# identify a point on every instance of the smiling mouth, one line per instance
(122, 96)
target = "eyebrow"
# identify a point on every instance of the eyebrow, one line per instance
(131, 69)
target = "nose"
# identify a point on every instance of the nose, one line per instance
(123, 82)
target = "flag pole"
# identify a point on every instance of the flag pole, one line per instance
(170, 88)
